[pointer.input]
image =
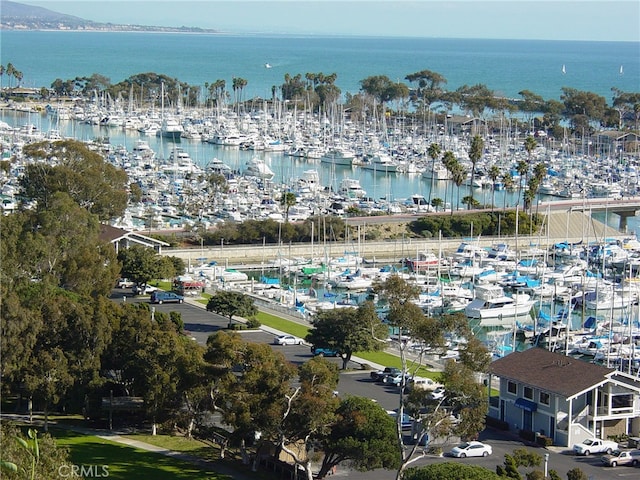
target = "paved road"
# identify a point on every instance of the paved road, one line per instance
(200, 324)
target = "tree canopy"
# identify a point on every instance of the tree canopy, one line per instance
(228, 304)
(348, 331)
(74, 169)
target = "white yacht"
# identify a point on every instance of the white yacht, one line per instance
(257, 167)
(338, 156)
(494, 308)
(351, 188)
(170, 128)
(380, 163)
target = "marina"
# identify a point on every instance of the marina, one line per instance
(508, 293)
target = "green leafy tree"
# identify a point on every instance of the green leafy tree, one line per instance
(80, 172)
(450, 471)
(348, 331)
(464, 394)
(228, 304)
(521, 457)
(250, 384)
(476, 99)
(141, 264)
(310, 409)
(47, 378)
(429, 88)
(531, 103)
(363, 437)
(580, 103)
(576, 474)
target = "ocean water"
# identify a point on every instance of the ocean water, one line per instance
(505, 66)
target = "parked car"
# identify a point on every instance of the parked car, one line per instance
(595, 445)
(324, 352)
(622, 457)
(379, 375)
(471, 449)
(287, 340)
(396, 379)
(143, 289)
(438, 394)
(125, 283)
(422, 383)
(166, 297)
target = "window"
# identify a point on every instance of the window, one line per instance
(544, 398)
(512, 388)
(528, 393)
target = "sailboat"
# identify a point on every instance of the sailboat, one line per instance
(564, 69)
(621, 70)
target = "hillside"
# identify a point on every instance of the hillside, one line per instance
(18, 16)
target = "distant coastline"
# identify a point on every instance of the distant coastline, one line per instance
(21, 17)
(110, 29)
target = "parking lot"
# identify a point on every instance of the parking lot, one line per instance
(200, 324)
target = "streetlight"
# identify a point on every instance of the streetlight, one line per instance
(546, 465)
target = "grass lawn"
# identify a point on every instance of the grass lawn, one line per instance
(283, 325)
(179, 444)
(125, 462)
(301, 331)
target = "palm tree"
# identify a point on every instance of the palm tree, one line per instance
(238, 85)
(475, 153)
(470, 202)
(10, 71)
(433, 151)
(1, 75)
(437, 202)
(494, 174)
(522, 168)
(449, 160)
(507, 180)
(287, 200)
(458, 174)
(530, 145)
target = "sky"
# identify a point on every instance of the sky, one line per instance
(598, 20)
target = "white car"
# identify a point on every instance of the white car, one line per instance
(143, 289)
(471, 449)
(422, 383)
(594, 445)
(396, 379)
(438, 393)
(287, 340)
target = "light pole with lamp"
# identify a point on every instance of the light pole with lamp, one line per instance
(546, 465)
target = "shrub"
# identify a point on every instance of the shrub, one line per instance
(544, 441)
(236, 326)
(498, 424)
(527, 435)
(253, 323)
